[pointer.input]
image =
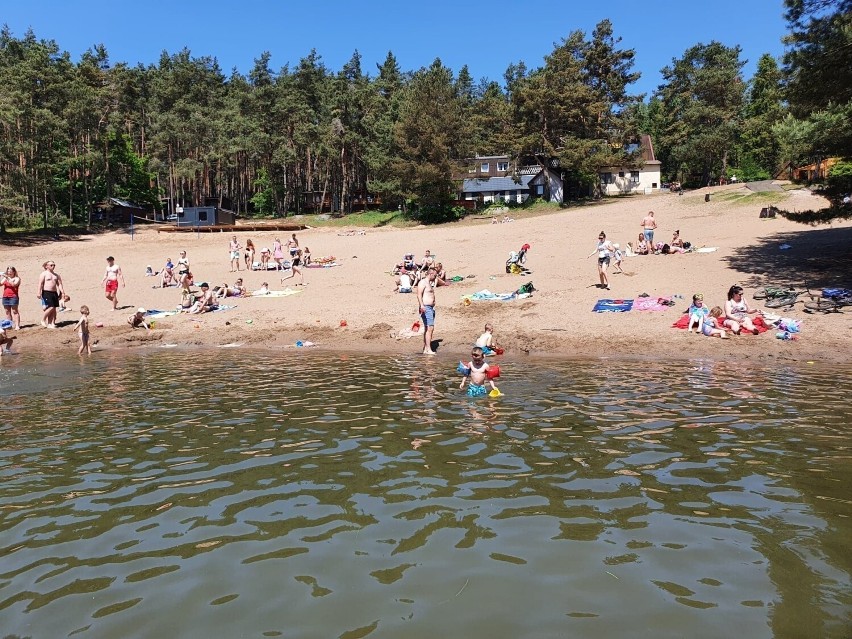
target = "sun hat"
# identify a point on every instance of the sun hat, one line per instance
(6, 323)
(141, 310)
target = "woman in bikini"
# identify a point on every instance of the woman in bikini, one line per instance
(737, 312)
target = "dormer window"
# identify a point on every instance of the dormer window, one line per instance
(485, 167)
(502, 166)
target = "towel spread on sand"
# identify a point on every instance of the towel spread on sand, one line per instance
(612, 306)
(649, 304)
(322, 265)
(486, 295)
(155, 314)
(706, 249)
(286, 292)
(757, 320)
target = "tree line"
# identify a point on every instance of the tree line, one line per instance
(278, 142)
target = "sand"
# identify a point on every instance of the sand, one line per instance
(556, 321)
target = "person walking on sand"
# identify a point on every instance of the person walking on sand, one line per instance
(11, 283)
(234, 249)
(50, 288)
(110, 281)
(648, 226)
(426, 304)
(604, 250)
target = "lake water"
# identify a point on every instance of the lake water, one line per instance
(222, 493)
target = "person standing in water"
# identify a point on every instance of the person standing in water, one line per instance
(426, 304)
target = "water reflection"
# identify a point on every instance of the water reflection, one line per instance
(190, 494)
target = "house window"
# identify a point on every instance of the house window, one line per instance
(502, 166)
(539, 189)
(621, 174)
(202, 216)
(484, 167)
(472, 169)
(606, 178)
(634, 177)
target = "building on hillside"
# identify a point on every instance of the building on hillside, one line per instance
(117, 211)
(495, 178)
(644, 178)
(808, 173)
(202, 216)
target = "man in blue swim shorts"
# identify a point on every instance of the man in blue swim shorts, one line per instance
(648, 226)
(426, 305)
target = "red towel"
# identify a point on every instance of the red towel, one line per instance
(757, 320)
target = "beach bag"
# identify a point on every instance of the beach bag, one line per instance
(526, 288)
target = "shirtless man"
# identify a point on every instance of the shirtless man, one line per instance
(110, 281)
(50, 289)
(426, 303)
(648, 225)
(234, 251)
(293, 245)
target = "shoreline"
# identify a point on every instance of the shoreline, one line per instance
(555, 322)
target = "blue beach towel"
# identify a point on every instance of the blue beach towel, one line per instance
(613, 306)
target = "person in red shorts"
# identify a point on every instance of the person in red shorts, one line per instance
(110, 281)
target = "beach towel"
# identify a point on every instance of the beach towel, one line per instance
(706, 249)
(757, 320)
(271, 266)
(486, 295)
(155, 314)
(649, 304)
(612, 306)
(322, 265)
(222, 307)
(286, 292)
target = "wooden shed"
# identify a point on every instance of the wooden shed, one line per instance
(203, 216)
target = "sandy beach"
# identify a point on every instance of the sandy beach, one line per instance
(352, 306)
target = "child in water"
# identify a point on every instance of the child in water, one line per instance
(5, 340)
(475, 373)
(82, 327)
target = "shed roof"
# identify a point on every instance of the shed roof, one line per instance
(484, 185)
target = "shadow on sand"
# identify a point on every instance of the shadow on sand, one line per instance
(815, 258)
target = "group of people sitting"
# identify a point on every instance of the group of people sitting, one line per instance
(643, 247)
(716, 321)
(409, 273)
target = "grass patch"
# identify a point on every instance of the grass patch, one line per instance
(740, 198)
(366, 219)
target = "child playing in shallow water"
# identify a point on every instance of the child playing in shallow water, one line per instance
(475, 373)
(5, 340)
(82, 328)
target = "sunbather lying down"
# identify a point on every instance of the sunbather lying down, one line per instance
(353, 232)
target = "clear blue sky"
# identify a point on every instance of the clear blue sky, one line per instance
(485, 35)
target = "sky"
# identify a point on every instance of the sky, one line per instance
(485, 35)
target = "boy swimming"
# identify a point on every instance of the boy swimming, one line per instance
(475, 373)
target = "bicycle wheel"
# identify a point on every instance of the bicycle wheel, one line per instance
(780, 302)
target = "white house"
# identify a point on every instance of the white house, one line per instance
(620, 180)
